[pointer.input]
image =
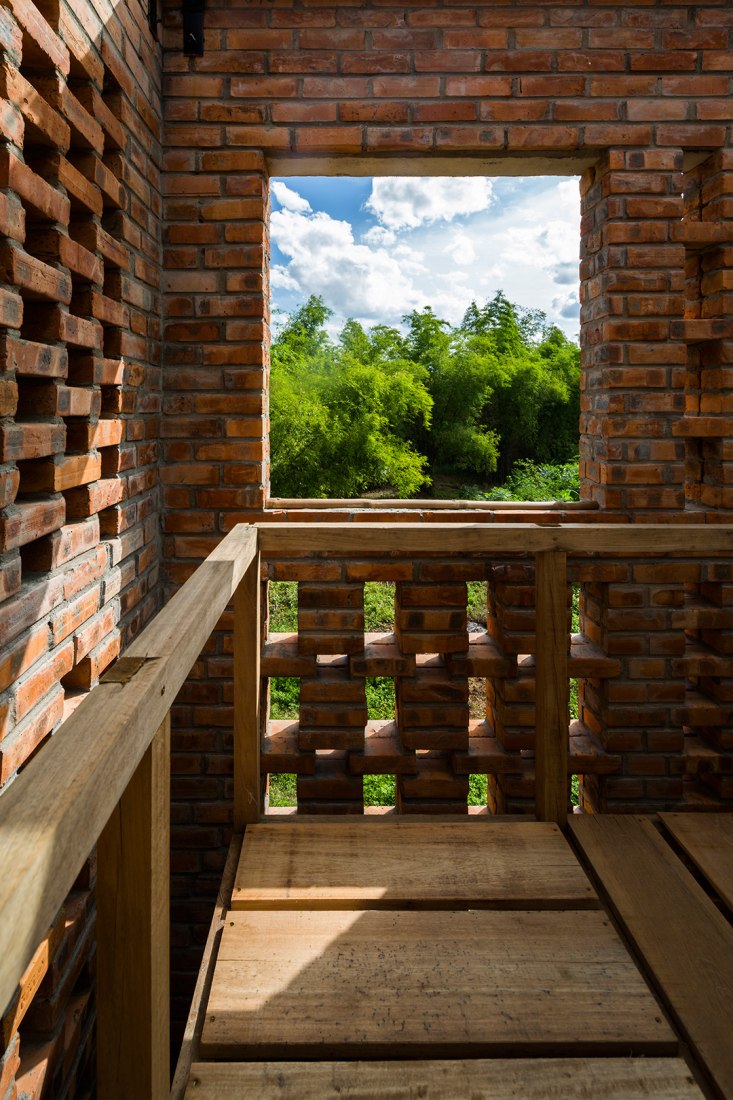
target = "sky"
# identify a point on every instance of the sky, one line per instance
(375, 249)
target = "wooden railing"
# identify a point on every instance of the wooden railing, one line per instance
(104, 777)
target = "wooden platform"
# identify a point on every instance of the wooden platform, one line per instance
(396, 959)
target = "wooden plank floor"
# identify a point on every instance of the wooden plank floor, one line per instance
(456, 960)
(708, 841)
(477, 1079)
(687, 944)
(377, 984)
(396, 865)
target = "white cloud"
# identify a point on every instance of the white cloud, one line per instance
(566, 272)
(354, 279)
(406, 202)
(567, 306)
(378, 235)
(460, 249)
(289, 199)
(281, 278)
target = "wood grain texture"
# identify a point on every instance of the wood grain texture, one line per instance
(133, 1040)
(399, 864)
(551, 688)
(686, 943)
(477, 1079)
(408, 984)
(466, 538)
(708, 841)
(189, 1051)
(248, 784)
(53, 813)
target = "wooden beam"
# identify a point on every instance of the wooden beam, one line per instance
(684, 941)
(189, 1051)
(133, 1011)
(52, 814)
(551, 688)
(247, 637)
(358, 504)
(300, 539)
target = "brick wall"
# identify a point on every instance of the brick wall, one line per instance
(79, 406)
(636, 97)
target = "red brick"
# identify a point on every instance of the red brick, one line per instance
(29, 520)
(63, 546)
(28, 734)
(33, 687)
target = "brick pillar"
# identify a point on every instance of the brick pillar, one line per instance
(633, 612)
(706, 430)
(432, 707)
(333, 710)
(633, 460)
(510, 709)
(632, 271)
(217, 348)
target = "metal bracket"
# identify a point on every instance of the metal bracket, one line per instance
(193, 27)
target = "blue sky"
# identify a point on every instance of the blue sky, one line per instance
(378, 248)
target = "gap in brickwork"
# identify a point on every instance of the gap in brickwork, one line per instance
(425, 336)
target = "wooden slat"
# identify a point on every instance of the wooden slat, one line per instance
(247, 780)
(551, 688)
(360, 504)
(476, 1079)
(53, 813)
(685, 941)
(298, 539)
(398, 864)
(189, 1051)
(443, 984)
(708, 841)
(133, 1034)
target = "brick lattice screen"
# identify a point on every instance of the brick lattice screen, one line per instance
(80, 296)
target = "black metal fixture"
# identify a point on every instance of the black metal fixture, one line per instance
(193, 27)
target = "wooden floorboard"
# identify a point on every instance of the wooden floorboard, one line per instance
(686, 943)
(398, 865)
(440, 984)
(479, 1079)
(708, 841)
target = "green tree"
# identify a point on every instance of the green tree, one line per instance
(342, 414)
(380, 410)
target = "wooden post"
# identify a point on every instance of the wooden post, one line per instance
(247, 781)
(133, 968)
(551, 702)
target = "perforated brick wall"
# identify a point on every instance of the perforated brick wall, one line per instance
(80, 324)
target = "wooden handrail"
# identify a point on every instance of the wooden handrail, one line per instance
(53, 813)
(297, 539)
(358, 504)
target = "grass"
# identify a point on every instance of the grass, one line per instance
(380, 695)
(379, 606)
(283, 600)
(283, 790)
(476, 607)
